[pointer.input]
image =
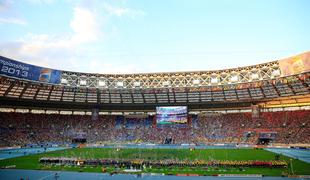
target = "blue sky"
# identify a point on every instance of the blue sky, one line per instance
(131, 36)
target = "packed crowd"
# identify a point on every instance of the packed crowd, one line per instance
(20, 129)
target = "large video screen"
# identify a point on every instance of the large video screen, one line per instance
(171, 115)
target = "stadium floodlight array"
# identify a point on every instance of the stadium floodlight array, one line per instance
(266, 71)
(258, 72)
(263, 71)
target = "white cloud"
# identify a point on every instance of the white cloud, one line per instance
(43, 50)
(59, 50)
(69, 50)
(12, 21)
(120, 11)
(34, 44)
(9, 13)
(41, 1)
(85, 25)
(85, 29)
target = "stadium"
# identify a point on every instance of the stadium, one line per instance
(166, 89)
(223, 122)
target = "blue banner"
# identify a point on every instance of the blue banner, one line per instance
(21, 70)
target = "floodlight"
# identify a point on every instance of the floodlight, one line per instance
(64, 81)
(166, 83)
(83, 82)
(120, 84)
(214, 80)
(255, 76)
(196, 81)
(101, 83)
(234, 78)
(137, 84)
(276, 72)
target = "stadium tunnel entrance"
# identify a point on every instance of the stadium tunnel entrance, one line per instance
(266, 137)
(79, 138)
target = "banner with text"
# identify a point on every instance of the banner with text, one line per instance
(295, 65)
(21, 70)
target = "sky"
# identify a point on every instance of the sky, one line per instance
(135, 36)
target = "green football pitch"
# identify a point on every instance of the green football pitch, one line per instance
(295, 167)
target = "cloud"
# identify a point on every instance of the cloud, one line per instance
(41, 1)
(70, 50)
(9, 14)
(85, 28)
(58, 50)
(12, 21)
(85, 25)
(121, 11)
(43, 50)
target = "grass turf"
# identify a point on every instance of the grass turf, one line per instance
(32, 161)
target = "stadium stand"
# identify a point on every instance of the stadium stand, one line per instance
(259, 104)
(26, 129)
